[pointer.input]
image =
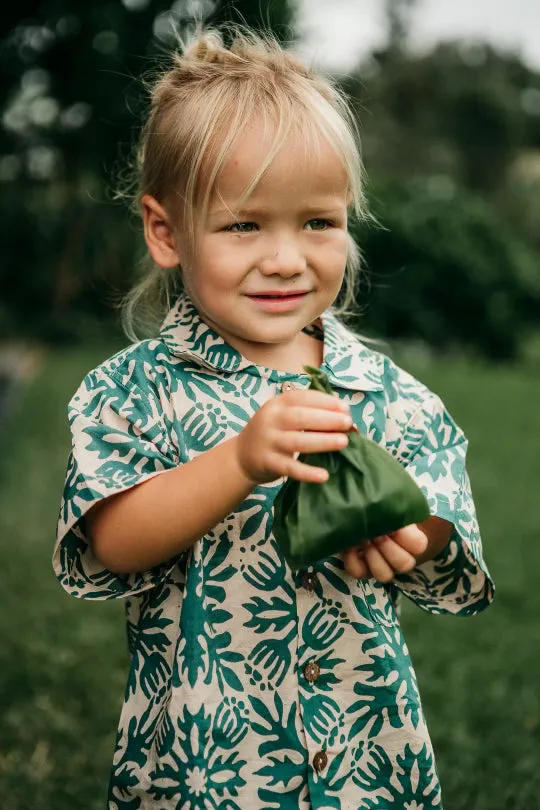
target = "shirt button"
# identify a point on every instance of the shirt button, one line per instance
(309, 581)
(312, 671)
(288, 386)
(320, 761)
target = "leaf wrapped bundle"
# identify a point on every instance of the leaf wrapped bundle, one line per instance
(368, 494)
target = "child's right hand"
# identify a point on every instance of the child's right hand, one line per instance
(292, 423)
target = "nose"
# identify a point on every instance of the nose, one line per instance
(285, 259)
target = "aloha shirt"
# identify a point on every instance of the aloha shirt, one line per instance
(251, 686)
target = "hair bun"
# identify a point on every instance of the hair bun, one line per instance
(207, 48)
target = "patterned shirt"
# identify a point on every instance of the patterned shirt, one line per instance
(250, 685)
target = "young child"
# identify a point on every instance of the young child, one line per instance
(250, 685)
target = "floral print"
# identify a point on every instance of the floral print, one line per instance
(249, 685)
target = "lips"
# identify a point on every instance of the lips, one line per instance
(278, 294)
(278, 301)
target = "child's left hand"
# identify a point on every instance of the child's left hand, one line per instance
(398, 552)
(386, 556)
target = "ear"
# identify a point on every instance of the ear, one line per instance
(158, 233)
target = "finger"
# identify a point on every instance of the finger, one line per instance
(302, 418)
(377, 565)
(354, 565)
(394, 554)
(292, 468)
(411, 538)
(308, 442)
(315, 399)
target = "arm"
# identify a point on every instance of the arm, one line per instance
(438, 533)
(159, 518)
(440, 574)
(162, 517)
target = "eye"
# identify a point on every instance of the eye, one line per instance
(241, 227)
(319, 224)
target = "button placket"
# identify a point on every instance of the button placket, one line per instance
(309, 581)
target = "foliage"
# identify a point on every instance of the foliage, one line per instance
(72, 74)
(466, 111)
(72, 104)
(451, 142)
(443, 268)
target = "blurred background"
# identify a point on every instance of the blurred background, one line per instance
(448, 100)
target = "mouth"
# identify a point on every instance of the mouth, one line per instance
(278, 295)
(276, 301)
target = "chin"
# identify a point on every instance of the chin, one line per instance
(273, 334)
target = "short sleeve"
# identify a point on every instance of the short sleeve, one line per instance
(117, 443)
(457, 580)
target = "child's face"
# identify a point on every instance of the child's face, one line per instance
(258, 276)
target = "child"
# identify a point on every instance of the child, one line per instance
(252, 686)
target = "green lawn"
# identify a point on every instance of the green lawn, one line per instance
(63, 661)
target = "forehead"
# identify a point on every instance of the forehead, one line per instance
(305, 166)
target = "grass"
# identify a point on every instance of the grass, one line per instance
(63, 661)
(480, 677)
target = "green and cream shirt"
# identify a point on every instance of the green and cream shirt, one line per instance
(251, 686)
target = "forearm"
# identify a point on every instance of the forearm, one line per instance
(438, 531)
(162, 517)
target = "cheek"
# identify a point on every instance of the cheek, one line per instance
(212, 276)
(333, 255)
(224, 261)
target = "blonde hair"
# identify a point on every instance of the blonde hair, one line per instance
(199, 108)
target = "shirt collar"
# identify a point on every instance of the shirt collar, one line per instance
(347, 361)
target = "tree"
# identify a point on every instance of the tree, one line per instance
(72, 98)
(398, 14)
(451, 112)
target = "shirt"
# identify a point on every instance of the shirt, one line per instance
(250, 685)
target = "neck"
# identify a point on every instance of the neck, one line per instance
(306, 350)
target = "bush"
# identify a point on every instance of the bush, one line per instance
(66, 262)
(442, 268)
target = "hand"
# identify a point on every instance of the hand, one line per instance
(384, 557)
(292, 423)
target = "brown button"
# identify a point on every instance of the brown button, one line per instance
(288, 386)
(312, 671)
(309, 581)
(320, 761)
